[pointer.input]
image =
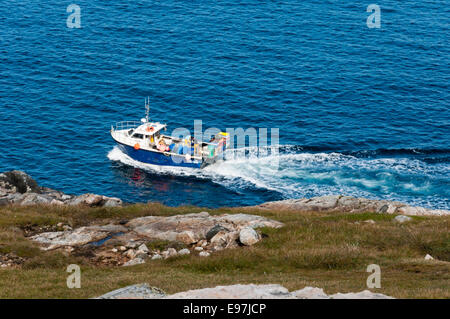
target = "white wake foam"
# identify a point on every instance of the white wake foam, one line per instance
(312, 174)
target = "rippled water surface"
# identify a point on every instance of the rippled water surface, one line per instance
(361, 111)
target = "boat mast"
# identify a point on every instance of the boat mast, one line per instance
(147, 109)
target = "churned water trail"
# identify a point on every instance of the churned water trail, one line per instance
(294, 175)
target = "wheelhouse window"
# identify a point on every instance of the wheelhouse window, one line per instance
(139, 136)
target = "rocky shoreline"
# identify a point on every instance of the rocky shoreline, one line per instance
(340, 203)
(18, 188)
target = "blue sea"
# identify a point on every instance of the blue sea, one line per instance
(360, 111)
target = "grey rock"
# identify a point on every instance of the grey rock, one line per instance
(428, 257)
(156, 256)
(188, 237)
(351, 204)
(392, 209)
(310, 293)
(141, 291)
(204, 254)
(65, 197)
(17, 187)
(34, 198)
(248, 236)
(235, 292)
(142, 255)
(213, 231)
(366, 294)
(323, 203)
(77, 237)
(93, 200)
(219, 239)
(225, 239)
(56, 202)
(86, 199)
(18, 182)
(144, 248)
(420, 211)
(230, 221)
(54, 194)
(186, 228)
(348, 201)
(134, 261)
(192, 228)
(112, 202)
(384, 208)
(184, 251)
(131, 244)
(402, 218)
(250, 291)
(170, 252)
(130, 253)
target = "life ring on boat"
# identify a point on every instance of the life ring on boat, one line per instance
(137, 146)
(149, 128)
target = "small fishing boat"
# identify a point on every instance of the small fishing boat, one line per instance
(143, 141)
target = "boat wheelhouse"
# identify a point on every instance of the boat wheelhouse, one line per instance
(145, 142)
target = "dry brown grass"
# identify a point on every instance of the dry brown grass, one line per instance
(330, 251)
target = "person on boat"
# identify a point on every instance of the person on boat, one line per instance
(162, 146)
(152, 141)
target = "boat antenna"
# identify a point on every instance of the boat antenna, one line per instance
(147, 108)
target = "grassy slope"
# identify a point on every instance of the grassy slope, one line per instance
(313, 249)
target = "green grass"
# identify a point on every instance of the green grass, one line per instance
(161, 245)
(327, 250)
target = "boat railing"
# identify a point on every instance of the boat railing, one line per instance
(125, 125)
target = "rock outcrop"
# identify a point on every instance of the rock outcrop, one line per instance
(144, 291)
(128, 240)
(248, 236)
(17, 187)
(192, 228)
(77, 237)
(352, 204)
(402, 219)
(140, 291)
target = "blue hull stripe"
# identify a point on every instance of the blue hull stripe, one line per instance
(155, 158)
